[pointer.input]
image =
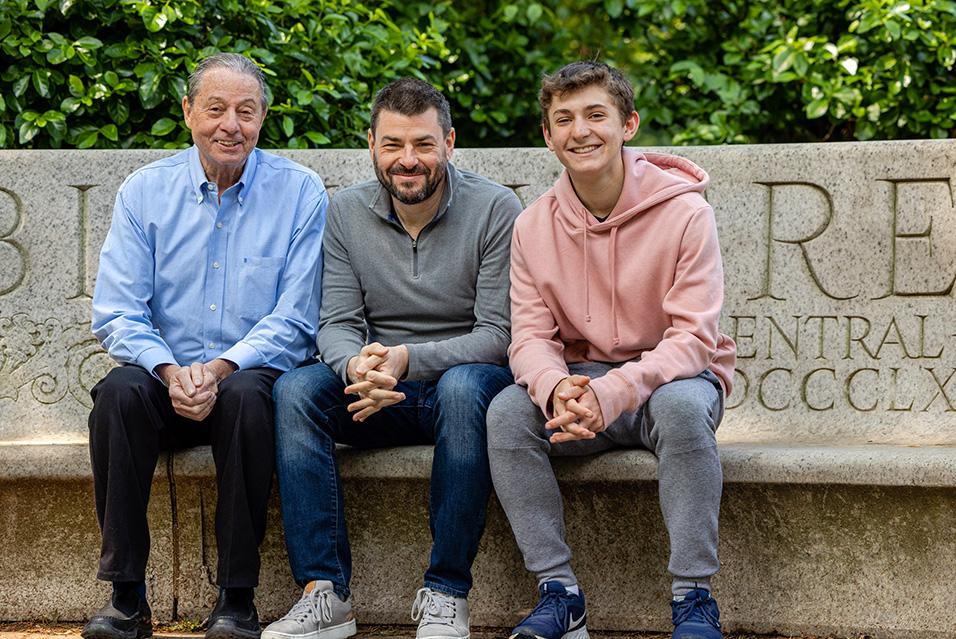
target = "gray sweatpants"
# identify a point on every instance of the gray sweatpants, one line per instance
(678, 424)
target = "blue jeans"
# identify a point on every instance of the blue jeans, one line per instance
(449, 413)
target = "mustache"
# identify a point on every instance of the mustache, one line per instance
(400, 170)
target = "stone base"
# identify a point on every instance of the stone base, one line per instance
(866, 553)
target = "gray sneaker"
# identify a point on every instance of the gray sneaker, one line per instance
(440, 616)
(320, 614)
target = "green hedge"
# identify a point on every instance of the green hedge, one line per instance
(111, 73)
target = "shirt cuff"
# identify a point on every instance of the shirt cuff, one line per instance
(153, 357)
(612, 395)
(243, 356)
(542, 388)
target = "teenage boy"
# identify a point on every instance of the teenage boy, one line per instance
(616, 290)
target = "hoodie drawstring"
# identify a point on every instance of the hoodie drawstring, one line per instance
(587, 278)
(612, 258)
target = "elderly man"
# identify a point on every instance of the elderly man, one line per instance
(418, 261)
(208, 289)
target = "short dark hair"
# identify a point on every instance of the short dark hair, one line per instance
(581, 74)
(411, 96)
(233, 62)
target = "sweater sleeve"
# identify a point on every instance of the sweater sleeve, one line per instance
(342, 328)
(536, 352)
(687, 348)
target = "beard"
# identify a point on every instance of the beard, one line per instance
(411, 195)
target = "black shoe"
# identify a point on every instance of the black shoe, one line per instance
(233, 618)
(111, 623)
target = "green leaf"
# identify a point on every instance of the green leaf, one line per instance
(76, 86)
(41, 82)
(88, 42)
(534, 12)
(162, 127)
(28, 131)
(110, 132)
(87, 139)
(65, 5)
(509, 13)
(70, 105)
(111, 78)
(817, 108)
(288, 126)
(54, 116)
(783, 60)
(20, 86)
(179, 87)
(317, 137)
(614, 8)
(118, 111)
(148, 86)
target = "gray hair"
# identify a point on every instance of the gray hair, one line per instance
(232, 62)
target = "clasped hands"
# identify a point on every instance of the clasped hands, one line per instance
(193, 389)
(576, 410)
(373, 374)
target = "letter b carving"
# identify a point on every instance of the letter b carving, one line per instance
(13, 257)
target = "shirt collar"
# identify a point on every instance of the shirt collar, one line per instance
(200, 183)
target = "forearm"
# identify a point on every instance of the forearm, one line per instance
(484, 345)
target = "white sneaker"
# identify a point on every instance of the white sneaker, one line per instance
(319, 614)
(441, 616)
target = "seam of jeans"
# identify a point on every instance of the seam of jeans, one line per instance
(330, 443)
(446, 589)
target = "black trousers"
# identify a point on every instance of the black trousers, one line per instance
(133, 420)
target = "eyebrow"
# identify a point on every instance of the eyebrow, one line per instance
(424, 138)
(589, 107)
(219, 98)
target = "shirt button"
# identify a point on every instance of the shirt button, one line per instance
(212, 345)
(215, 264)
(212, 307)
(218, 225)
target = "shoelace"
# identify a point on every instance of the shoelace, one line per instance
(696, 610)
(316, 605)
(433, 607)
(558, 612)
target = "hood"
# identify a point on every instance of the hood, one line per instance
(649, 180)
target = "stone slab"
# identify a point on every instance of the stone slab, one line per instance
(803, 558)
(840, 261)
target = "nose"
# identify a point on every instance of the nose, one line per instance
(581, 128)
(409, 158)
(229, 121)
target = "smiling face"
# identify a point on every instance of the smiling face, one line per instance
(225, 118)
(586, 132)
(410, 154)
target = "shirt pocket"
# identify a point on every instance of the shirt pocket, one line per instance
(258, 286)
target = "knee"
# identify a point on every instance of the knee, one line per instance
(317, 383)
(513, 419)
(682, 421)
(122, 383)
(246, 386)
(471, 385)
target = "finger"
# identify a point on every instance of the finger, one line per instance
(579, 380)
(369, 363)
(383, 395)
(572, 393)
(558, 438)
(365, 413)
(362, 403)
(561, 420)
(184, 378)
(360, 387)
(381, 379)
(578, 409)
(197, 373)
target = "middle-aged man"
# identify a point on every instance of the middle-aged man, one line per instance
(417, 260)
(208, 288)
(617, 286)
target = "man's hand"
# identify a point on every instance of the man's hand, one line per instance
(374, 373)
(576, 410)
(192, 389)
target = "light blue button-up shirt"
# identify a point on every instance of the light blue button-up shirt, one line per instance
(185, 277)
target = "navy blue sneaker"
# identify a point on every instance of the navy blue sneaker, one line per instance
(559, 615)
(696, 616)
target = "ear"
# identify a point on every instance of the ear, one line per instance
(186, 110)
(547, 136)
(450, 142)
(371, 144)
(631, 125)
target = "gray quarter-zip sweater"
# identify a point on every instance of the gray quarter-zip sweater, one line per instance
(444, 295)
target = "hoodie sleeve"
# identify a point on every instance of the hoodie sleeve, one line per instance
(687, 348)
(536, 353)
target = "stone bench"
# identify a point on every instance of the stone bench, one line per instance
(838, 447)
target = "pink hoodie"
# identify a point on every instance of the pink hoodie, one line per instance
(644, 286)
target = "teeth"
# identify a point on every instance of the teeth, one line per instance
(225, 143)
(584, 149)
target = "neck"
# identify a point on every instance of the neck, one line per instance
(222, 177)
(415, 217)
(599, 192)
